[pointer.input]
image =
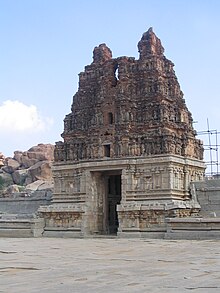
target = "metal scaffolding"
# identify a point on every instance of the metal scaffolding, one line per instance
(211, 152)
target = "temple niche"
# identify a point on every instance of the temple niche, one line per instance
(129, 150)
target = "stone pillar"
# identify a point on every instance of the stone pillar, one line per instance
(93, 209)
(186, 178)
(124, 183)
(37, 227)
(170, 178)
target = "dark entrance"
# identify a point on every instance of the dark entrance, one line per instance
(112, 199)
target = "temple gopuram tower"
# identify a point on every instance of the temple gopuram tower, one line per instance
(129, 149)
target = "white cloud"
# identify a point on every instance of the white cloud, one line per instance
(18, 117)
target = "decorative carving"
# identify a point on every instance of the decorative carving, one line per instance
(137, 104)
(65, 220)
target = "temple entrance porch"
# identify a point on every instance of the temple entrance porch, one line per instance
(120, 197)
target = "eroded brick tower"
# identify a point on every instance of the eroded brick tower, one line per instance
(129, 149)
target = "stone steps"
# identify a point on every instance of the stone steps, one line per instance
(193, 228)
(15, 226)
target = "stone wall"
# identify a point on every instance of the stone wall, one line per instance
(22, 207)
(208, 195)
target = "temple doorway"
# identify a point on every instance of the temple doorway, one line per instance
(106, 193)
(113, 198)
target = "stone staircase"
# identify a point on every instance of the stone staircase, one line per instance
(17, 225)
(12, 225)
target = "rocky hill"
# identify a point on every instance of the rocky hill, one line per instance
(27, 173)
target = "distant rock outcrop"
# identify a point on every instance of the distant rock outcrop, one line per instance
(27, 172)
(2, 159)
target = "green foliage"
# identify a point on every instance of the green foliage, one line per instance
(21, 188)
(1, 183)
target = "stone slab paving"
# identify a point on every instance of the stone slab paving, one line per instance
(108, 265)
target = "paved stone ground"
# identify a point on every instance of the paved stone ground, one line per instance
(108, 265)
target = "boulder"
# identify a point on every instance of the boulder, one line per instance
(19, 176)
(36, 156)
(18, 156)
(10, 165)
(26, 162)
(28, 179)
(34, 185)
(2, 160)
(31, 168)
(41, 170)
(47, 185)
(41, 152)
(40, 188)
(5, 180)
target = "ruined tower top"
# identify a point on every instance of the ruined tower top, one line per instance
(150, 44)
(101, 54)
(128, 108)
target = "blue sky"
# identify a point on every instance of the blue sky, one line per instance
(45, 44)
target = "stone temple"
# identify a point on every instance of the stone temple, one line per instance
(129, 150)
